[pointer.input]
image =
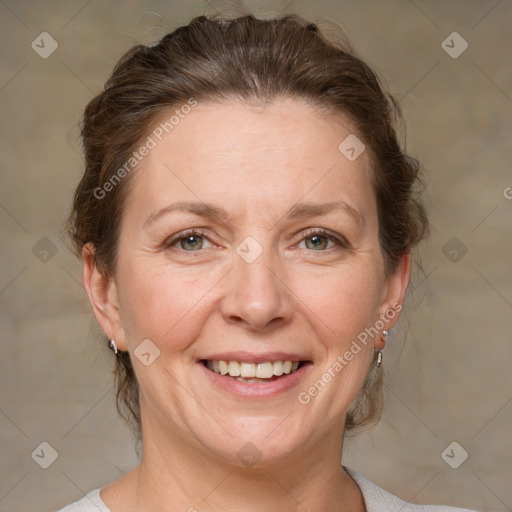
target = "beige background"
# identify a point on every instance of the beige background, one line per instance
(448, 381)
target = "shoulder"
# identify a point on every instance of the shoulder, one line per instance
(89, 503)
(379, 500)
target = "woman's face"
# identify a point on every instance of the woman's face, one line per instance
(248, 236)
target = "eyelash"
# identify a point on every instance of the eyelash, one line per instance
(341, 241)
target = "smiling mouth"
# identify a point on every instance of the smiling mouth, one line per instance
(253, 372)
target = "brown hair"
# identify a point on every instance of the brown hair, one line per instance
(253, 60)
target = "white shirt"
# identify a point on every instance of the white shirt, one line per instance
(375, 499)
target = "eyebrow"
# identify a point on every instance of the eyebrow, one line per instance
(298, 210)
(314, 209)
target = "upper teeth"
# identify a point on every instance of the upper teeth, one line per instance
(251, 370)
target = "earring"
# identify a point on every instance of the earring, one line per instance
(113, 346)
(380, 356)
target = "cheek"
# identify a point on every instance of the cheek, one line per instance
(340, 306)
(164, 305)
(342, 303)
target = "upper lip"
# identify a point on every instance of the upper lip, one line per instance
(249, 357)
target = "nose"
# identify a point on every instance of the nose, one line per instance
(257, 296)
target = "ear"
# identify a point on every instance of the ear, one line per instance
(102, 292)
(393, 296)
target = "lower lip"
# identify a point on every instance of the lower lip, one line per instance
(269, 389)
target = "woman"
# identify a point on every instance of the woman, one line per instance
(245, 219)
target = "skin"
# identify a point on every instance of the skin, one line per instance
(297, 296)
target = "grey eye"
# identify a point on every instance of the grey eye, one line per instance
(317, 242)
(192, 242)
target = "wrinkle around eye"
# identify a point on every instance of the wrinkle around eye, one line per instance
(336, 242)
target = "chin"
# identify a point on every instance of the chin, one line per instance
(255, 442)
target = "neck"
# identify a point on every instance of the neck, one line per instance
(177, 473)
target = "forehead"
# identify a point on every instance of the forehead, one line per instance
(246, 155)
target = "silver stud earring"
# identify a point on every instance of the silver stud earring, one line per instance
(385, 334)
(113, 346)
